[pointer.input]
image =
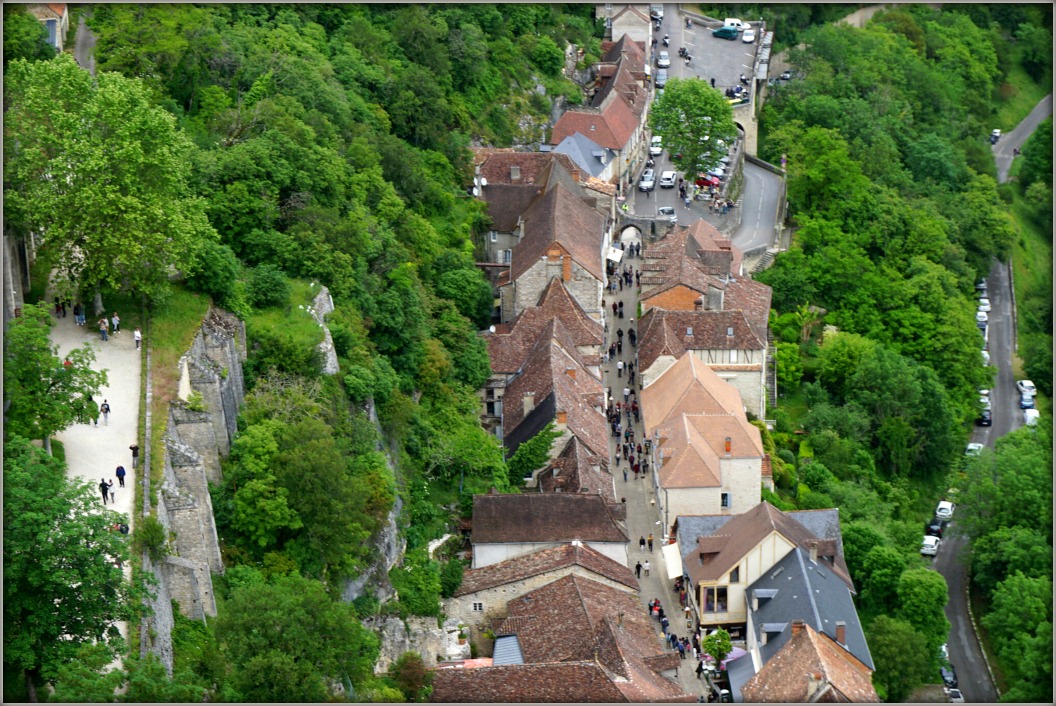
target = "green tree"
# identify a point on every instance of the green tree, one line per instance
(548, 56)
(410, 675)
(692, 117)
(902, 657)
(62, 587)
(994, 554)
(532, 454)
(882, 568)
(97, 168)
(45, 394)
(272, 635)
(24, 36)
(84, 679)
(717, 644)
(148, 682)
(789, 366)
(922, 597)
(859, 538)
(470, 292)
(1037, 156)
(1019, 603)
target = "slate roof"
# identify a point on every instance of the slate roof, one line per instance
(807, 657)
(554, 367)
(560, 218)
(687, 387)
(544, 517)
(589, 155)
(576, 468)
(509, 346)
(542, 562)
(812, 592)
(726, 545)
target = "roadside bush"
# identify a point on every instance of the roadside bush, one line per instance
(152, 537)
(268, 286)
(215, 273)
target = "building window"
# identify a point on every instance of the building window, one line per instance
(735, 575)
(727, 500)
(714, 599)
(478, 607)
(494, 236)
(733, 356)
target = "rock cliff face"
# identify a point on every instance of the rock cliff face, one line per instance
(419, 635)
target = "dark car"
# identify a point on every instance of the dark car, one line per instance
(936, 528)
(1026, 401)
(986, 418)
(725, 33)
(949, 676)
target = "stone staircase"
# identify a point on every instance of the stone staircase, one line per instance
(771, 368)
(764, 262)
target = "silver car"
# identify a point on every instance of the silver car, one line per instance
(663, 60)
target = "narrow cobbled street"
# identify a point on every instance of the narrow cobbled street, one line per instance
(640, 494)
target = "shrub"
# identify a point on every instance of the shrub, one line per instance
(152, 537)
(215, 273)
(450, 578)
(268, 286)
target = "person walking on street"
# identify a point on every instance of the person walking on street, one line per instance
(137, 336)
(624, 469)
(619, 368)
(105, 409)
(120, 473)
(700, 667)
(681, 650)
(650, 541)
(626, 395)
(664, 623)
(646, 567)
(112, 494)
(134, 448)
(104, 488)
(641, 544)
(638, 570)
(103, 326)
(116, 321)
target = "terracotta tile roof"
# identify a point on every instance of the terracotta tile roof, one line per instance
(575, 682)
(620, 82)
(519, 168)
(691, 387)
(544, 517)
(553, 367)
(506, 203)
(693, 445)
(509, 346)
(576, 469)
(743, 532)
(542, 562)
(560, 218)
(811, 667)
(711, 331)
(626, 49)
(611, 127)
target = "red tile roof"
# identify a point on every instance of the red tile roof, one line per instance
(544, 517)
(573, 682)
(811, 667)
(577, 470)
(611, 127)
(542, 562)
(712, 330)
(559, 217)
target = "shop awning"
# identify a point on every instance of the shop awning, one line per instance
(615, 254)
(672, 561)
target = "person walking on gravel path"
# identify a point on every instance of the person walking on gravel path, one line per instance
(105, 409)
(137, 336)
(120, 473)
(116, 321)
(134, 448)
(104, 488)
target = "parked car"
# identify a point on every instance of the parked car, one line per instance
(930, 546)
(980, 286)
(949, 675)
(986, 358)
(668, 213)
(1030, 417)
(648, 181)
(749, 35)
(1026, 401)
(717, 172)
(1026, 387)
(972, 449)
(985, 403)
(984, 305)
(663, 60)
(656, 147)
(944, 652)
(985, 419)
(661, 78)
(981, 317)
(995, 135)
(668, 179)
(725, 33)
(936, 527)
(786, 75)
(945, 509)
(955, 695)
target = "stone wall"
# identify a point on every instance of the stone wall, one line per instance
(322, 305)
(417, 634)
(156, 628)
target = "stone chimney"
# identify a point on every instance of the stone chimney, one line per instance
(797, 627)
(698, 304)
(561, 422)
(571, 372)
(814, 552)
(529, 402)
(815, 681)
(729, 445)
(841, 632)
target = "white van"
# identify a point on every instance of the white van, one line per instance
(1030, 417)
(735, 23)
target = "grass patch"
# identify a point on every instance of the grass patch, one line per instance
(293, 319)
(1018, 96)
(1031, 263)
(173, 326)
